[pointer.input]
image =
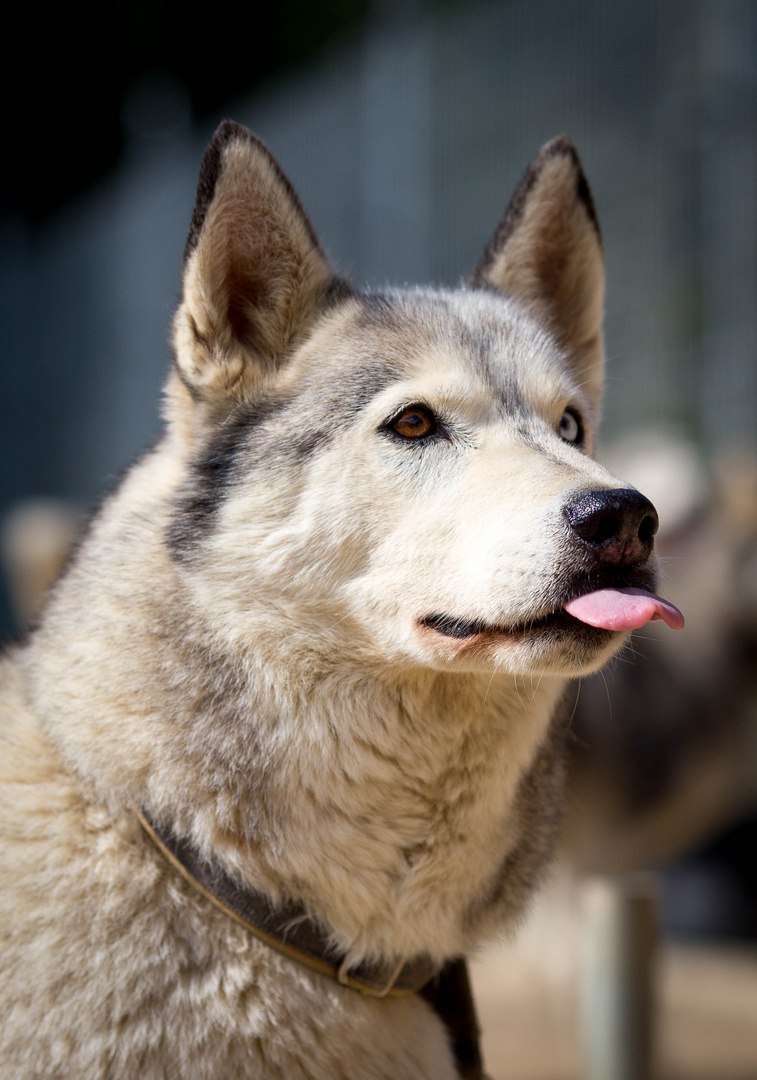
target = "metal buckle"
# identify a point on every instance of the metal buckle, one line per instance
(344, 977)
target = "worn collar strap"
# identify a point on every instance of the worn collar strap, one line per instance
(287, 928)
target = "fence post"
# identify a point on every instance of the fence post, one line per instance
(618, 976)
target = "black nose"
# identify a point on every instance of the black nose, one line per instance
(618, 525)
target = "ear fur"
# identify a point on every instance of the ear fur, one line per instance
(547, 253)
(253, 271)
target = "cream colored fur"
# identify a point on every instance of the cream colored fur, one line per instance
(259, 679)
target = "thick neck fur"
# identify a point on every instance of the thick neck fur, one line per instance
(409, 810)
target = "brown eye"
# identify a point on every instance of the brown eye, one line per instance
(415, 423)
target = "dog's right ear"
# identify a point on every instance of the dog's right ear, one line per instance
(253, 274)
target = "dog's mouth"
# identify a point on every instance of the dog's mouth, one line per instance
(606, 609)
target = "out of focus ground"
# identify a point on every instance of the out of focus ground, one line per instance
(528, 998)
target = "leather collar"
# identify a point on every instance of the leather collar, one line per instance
(287, 928)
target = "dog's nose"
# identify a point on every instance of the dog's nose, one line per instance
(618, 524)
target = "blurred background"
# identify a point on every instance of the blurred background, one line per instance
(404, 127)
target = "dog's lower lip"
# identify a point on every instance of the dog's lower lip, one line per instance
(449, 626)
(453, 626)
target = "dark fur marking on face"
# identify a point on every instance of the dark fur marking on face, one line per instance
(211, 475)
(247, 440)
(315, 413)
(526, 435)
(209, 479)
(483, 346)
(378, 312)
(559, 147)
(361, 388)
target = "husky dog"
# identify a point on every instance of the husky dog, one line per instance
(285, 741)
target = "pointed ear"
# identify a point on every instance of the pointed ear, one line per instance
(547, 253)
(253, 272)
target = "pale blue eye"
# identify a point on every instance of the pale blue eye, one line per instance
(571, 429)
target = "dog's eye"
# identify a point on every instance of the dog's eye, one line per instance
(571, 428)
(416, 422)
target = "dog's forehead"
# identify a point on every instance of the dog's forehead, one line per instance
(483, 341)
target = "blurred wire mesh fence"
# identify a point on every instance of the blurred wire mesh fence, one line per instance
(404, 141)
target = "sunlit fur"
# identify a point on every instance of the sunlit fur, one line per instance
(238, 647)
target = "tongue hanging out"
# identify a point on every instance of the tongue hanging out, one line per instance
(623, 609)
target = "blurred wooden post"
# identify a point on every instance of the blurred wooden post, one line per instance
(618, 978)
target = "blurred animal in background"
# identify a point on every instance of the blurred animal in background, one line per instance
(36, 539)
(288, 737)
(664, 753)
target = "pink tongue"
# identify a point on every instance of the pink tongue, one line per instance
(623, 609)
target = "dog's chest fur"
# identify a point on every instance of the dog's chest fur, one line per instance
(128, 951)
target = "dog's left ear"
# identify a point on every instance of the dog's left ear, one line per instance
(547, 253)
(254, 274)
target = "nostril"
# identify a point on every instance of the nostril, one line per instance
(607, 526)
(648, 528)
(592, 520)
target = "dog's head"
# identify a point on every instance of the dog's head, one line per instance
(408, 470)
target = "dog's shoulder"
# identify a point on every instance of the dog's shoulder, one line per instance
(85, 889)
